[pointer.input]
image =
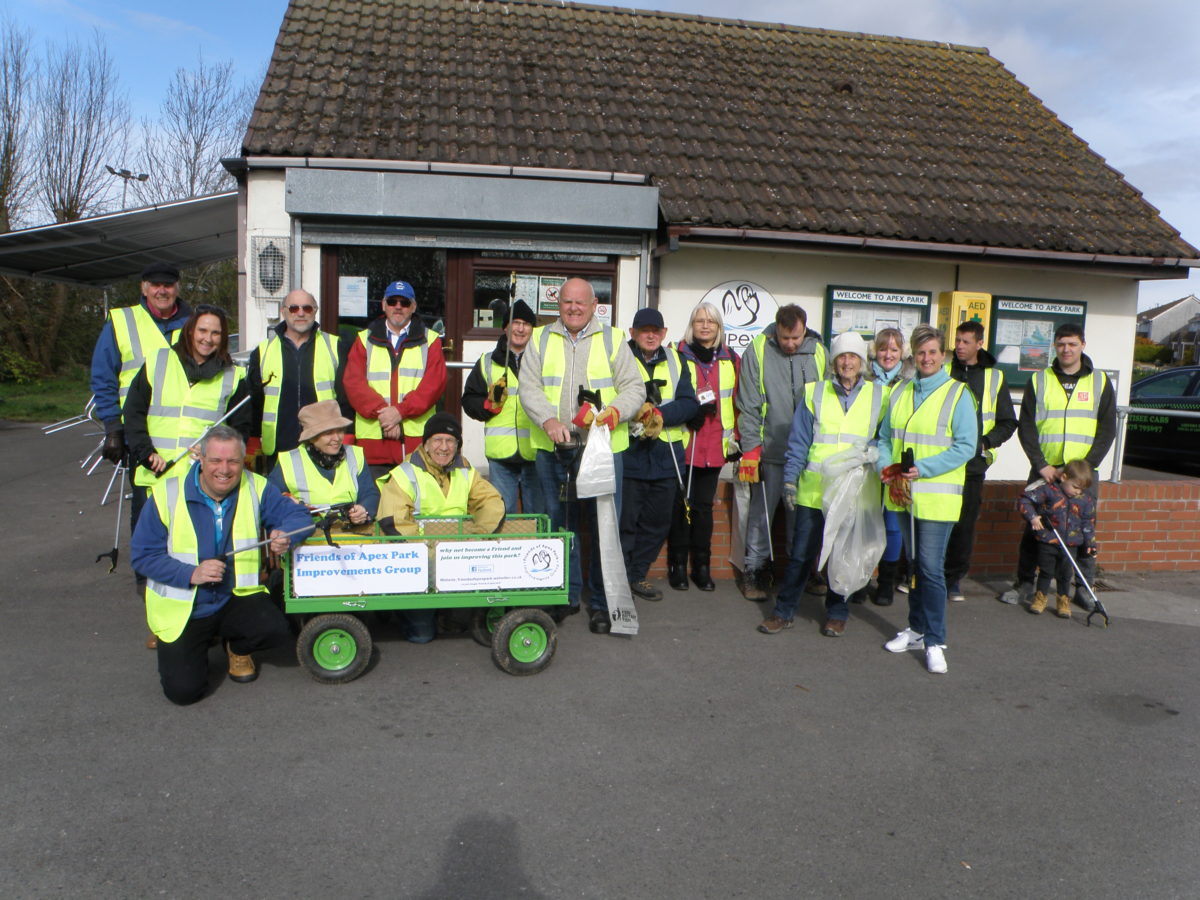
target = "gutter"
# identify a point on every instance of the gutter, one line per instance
(238, 166)
(980, 251)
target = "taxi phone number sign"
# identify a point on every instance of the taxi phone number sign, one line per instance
(498, 565)
(356, 569)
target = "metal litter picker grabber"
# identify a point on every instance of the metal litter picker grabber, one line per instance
(1097, 606)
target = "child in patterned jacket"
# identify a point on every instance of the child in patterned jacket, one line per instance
(1064, 507)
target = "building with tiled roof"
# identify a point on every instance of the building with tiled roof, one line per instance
(1157, 323)
(671, 158)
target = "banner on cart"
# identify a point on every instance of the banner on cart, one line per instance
(499, 565)
(354, 569)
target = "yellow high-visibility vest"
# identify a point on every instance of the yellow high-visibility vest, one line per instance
(929, 431)
(726, 388)
(599, 376)
(137, 337)
(670, 433)
(835, 429)
(409, 372)
(169, 608)
(759, 348)
(1067, 428)
(510, 431)
(428, 499)
(270, 365)
(305, 480)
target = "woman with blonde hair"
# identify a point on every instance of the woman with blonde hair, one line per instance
(712, 441)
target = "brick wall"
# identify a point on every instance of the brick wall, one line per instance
(1142, 526)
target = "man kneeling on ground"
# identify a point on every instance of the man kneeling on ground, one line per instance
(196, 544)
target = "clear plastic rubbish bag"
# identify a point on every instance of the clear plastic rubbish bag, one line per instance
(597, 472)
(853, 518)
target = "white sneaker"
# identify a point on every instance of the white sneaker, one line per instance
(905, 640)
(935, 659)
(956, 597)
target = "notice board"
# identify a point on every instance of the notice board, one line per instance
(1022, 338)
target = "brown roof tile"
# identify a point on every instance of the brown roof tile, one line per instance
(740, 124)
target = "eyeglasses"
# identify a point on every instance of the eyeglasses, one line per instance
(306, 309)
(403, 301)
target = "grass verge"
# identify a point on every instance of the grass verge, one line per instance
(47, 400)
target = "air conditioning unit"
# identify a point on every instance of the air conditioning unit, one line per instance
(270, 268)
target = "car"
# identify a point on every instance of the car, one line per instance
(1158, 439)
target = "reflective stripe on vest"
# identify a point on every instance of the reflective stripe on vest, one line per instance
(270, 363)
(409, 371)
(510, 431)
(306, 481)
(670, 433)
(927, 431)
(598, 376)
(835, 429)
(1067, 428)
(759, 348)
(993, 378)
(428, 499)
(180, 412)
(726, 388)
(136, 336)
(169, 608)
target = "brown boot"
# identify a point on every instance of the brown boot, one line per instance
(152, 642)
(241, 668)
(1039, 603)
(1062, 608)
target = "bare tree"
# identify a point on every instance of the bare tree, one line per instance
(202, 119)
(82, 121)
(16, 83)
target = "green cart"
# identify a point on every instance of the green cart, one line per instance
(511, 579)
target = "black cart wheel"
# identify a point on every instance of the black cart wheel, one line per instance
(334, 648)
(524, 642)
(484, 622)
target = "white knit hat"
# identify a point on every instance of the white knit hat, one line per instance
(848, 342)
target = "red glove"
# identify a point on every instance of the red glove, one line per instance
(584, 417)
(609, 417)
(899, 489)
(748, 467)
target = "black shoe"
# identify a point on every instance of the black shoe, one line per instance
(859, 596)
(677, 572)
(645, 590)
(885, 589)
(599, 621)
(560, 613)
(702, 578)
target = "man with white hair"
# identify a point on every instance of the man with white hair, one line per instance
(833, 416)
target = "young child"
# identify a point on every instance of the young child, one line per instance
(1072, 512)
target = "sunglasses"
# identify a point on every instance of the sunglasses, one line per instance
(306, 309)
(403, 301)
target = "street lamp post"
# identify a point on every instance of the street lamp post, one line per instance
(126, 176)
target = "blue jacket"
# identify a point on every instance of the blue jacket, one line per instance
(651, 460)
(106, 362)
(964, 428)
(148, 547)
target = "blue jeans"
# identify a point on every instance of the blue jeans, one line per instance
(891, 527)
(513, 477)
(567, 515)
(806, 549)
(927, 602)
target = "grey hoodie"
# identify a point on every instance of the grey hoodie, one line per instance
(784, 378)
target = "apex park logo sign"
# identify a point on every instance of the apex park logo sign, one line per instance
(746, 308)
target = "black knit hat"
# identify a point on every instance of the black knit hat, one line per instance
(520, 310)
(443, 423)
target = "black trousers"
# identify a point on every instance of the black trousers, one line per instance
(962, 536)
(694, 539)
(645, 520)
(248, 623)
(1027, 555)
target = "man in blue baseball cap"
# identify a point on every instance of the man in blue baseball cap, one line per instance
(395, 373)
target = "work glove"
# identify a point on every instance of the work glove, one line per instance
(748, 468)
(733, 451)
(1091, 550)
(899, 490)
(253, 449)
(643, 413)
(610, 417)
(496, 397)
(652, 426)
(703, 414)
(789, 496)
(114, 445)
(584, 417)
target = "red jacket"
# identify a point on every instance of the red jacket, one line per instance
(368, 403)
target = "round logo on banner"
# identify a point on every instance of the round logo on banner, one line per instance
(746, 308)
(542, 561)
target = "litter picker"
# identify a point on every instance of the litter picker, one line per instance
(115, 551)
(196, 443)
(1097, 606)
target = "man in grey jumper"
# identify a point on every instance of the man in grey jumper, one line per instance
(775, 368)
(573, 352)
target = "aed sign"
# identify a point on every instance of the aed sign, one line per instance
(400, 567)
(746, 309)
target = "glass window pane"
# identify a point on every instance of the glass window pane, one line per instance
(424, 269)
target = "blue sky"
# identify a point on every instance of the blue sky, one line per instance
(1121, 74)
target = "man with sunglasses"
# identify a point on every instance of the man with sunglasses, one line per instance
(298, 364)
(395, 372)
